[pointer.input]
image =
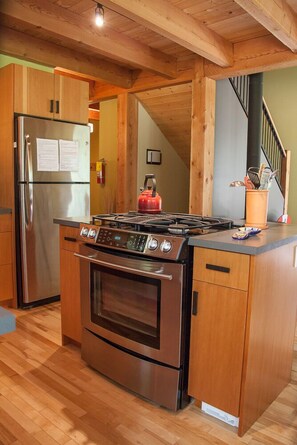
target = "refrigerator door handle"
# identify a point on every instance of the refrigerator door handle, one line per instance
(28, 160)
(28, 205)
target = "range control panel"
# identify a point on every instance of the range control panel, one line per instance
(155, 245)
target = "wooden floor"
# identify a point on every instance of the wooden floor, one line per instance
(49, 396)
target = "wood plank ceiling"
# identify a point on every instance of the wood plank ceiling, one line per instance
(152, 43)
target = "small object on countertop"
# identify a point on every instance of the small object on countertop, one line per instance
(240, 235)
(245, 232)
(250, 230)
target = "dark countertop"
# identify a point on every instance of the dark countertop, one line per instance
(73, 221)
(278, 234)
(4, 211)
(275, 236)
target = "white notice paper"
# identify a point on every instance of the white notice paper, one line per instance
(68, 156)
(47, 155)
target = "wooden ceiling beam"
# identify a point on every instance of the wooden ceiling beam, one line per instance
(254, 56)
(171, 22)
(276, 16)
(70, 26)
(18, 44)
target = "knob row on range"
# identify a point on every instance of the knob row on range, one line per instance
(165, 246)
(88, 233)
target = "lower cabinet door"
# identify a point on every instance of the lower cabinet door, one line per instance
(217, 342)
(70, 296)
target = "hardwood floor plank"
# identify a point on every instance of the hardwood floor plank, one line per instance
(49, 396)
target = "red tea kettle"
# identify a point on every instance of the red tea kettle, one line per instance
(149, 201)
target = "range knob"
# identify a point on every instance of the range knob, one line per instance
(153, 244)
(84, 232)
(166, 246)
(92, 233)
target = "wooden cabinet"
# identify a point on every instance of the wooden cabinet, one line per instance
(70, 285)
(6, 281)
(242, 329)
(44, 94)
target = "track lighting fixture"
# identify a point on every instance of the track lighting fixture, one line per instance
(99, 15)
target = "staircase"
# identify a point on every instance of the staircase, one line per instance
(277, 157)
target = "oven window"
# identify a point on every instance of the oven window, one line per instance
(126, 304)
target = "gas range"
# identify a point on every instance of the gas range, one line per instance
(162, 235)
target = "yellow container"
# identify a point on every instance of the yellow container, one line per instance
(256, 207)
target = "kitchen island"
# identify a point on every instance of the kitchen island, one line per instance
(243, 320)
(243, 315)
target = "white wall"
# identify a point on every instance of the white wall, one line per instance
(230, 158)
(230, 153)
(172, 175)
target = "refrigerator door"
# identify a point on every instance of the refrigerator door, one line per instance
(39, 236)
(51, 151)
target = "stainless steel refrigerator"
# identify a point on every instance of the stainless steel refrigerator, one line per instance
(52, 181)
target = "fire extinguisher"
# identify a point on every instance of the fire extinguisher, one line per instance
(100, 170)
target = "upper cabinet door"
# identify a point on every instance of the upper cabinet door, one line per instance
(42, 94)
(34, 92)
(71, 99)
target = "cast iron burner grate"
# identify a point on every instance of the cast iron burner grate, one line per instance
(176, 223)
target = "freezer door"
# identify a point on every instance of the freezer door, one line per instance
(39, 236)
(52, 151)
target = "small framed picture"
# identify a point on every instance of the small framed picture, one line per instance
(153, 156)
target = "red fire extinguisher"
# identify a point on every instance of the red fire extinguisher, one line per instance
(100, 170)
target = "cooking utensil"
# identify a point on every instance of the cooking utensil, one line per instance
(253, 174)
(236, 184)
(149, 201)
(248, 183)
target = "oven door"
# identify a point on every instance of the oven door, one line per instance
(134, 303)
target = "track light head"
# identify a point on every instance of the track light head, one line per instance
(99, 15)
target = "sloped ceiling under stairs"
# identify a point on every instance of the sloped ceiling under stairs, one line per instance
(170, 108)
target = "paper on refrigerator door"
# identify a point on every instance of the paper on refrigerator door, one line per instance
(47, 155)
(69, 156)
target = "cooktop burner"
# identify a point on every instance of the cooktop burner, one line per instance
(175, 223)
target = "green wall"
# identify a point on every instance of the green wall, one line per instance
(280, 93)
(6, 60)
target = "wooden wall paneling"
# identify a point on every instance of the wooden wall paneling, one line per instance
(7, 163)
(127, 153)
(202, 142)
(270, 322)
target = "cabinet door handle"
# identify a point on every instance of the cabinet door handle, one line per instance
(69, 238)
(57, 106)
(51, 105)
(195, 303)
(217, 268)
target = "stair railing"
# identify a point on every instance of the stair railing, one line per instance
(277, 157)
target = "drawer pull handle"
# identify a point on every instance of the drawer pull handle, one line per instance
(57, 107)
(218, 268)
(195, 303)
(69, 238)
(51, 106)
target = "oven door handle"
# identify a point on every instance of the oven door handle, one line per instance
(124, 268)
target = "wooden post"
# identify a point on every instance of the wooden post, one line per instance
(127, 153)
(202, 142)
(285, 179)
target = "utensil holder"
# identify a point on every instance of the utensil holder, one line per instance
(256, 208)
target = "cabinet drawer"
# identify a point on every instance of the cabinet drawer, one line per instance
(223, 268)
(69, 238)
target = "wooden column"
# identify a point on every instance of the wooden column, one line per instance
(202, 142)
(127, 152)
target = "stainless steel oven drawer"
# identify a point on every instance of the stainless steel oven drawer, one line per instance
(158, 383)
